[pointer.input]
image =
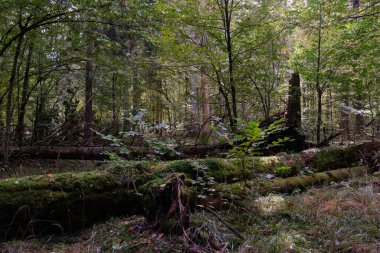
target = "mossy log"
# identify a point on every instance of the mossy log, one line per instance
(335, 157)
(100, 152)
(69, 201)
(200, 151)
(287, 185)
(62, 202)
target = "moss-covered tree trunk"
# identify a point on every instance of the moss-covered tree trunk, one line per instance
(294, 102)
(67, 202)
(159, 190)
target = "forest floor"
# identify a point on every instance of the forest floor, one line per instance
(339, 217)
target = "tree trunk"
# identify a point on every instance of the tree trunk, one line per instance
(205, 80)
(226, 102)
(115, 124)
(318, 87)
(345, 121)
(206, 111)
(228, 38)
(319, 116)
(294, 102)
(359, 118)
(193, 124)
(88, 113)
(20, 129)
(136, 97)
(9, 100)
(226, 7)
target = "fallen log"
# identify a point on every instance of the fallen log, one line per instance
(74, 153)
(70, 201)
(287, 185)
(61, 202)
(339, 157)
(354, 152)
(100, 153)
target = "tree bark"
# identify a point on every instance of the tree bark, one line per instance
(228, 38)
(319, 87)
(319, 116)
(294, 102)
(9, 100)
(194, 118)
(88, 113)
(20, 129)
(115, 124)
(345, 121)
(358, 104)
(206, 110)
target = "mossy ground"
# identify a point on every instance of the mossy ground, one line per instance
(341, 217)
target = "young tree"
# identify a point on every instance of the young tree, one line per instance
(317, 57)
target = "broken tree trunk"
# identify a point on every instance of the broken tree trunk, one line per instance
(50, 203)
(56, 152)
(293, 115)
(99, 153)
(351, 153)
(69, 201)
(88, 113)
(61, 202)
(293, 120)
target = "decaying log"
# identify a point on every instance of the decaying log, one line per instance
(69, 201)
(57, 152)
(287, 185)
(63, 201)
(100, 153)
(201, 151)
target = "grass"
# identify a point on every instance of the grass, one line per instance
(342, 217)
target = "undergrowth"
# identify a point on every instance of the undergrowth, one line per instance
(342, 217)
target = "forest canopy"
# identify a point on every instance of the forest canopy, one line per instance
(70, 69)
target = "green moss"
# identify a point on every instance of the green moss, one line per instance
(234, 188)
(228, 170)
(301, 182)
(221, 170)
(88, 181)
(333, 158)
(153, 184)
(266, 164)
(36, 198)
(188, 181)
(284, 171)
(180, 166)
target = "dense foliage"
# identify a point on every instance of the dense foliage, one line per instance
(68, 67)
